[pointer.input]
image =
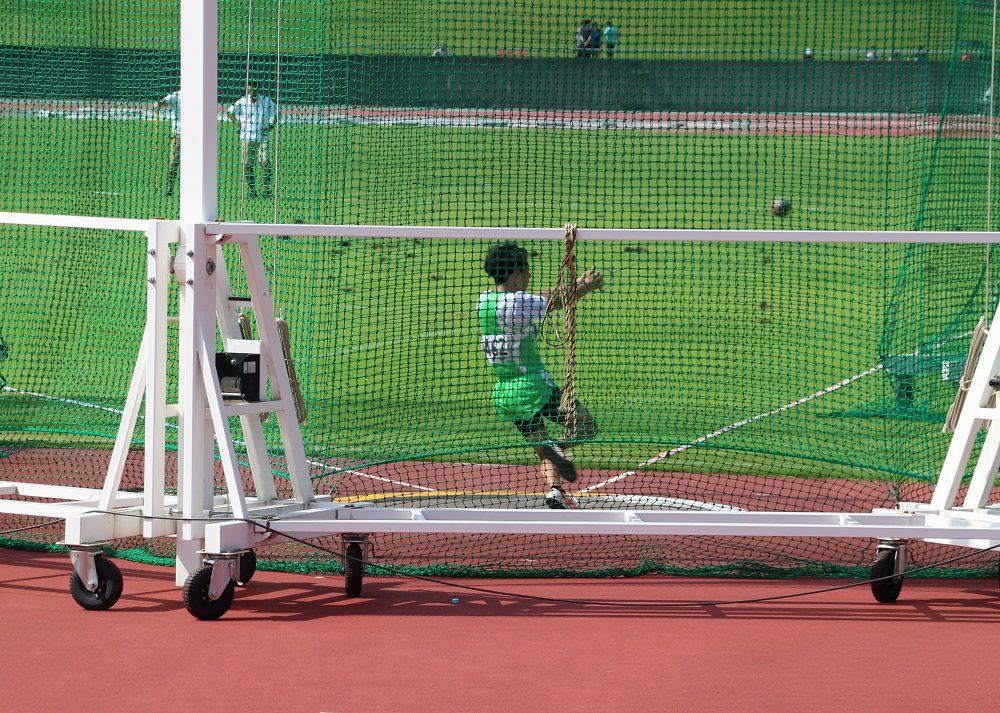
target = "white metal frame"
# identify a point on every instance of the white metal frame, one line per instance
(205, 535)
(973, 524)
(204, 532)
(80, 506)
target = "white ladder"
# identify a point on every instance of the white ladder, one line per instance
(209, 313)
(975, 412)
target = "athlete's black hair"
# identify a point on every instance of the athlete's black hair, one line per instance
(504, 260)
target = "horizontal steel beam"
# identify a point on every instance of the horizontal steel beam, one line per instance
(74, 221)
(971, 529)
(558, 233)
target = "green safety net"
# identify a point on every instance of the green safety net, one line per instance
(758, 376)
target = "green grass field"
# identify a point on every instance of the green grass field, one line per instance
(518, 178)
(688, 340)
(676, 29)
(392, 369)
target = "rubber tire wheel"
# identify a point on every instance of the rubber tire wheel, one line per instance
(886, 590)
(109, 586)
(247, 569)
(196, 596)
(354, 569)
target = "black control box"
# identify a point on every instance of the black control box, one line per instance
(239, 375)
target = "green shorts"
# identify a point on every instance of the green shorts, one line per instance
(523, 396)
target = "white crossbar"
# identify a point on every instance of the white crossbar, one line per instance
(74, 221)
(488, 233)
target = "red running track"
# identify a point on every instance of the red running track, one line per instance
(295, 644)
(695, 122)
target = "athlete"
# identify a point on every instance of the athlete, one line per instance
(525, 393)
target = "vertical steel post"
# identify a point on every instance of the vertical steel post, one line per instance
(199, 181)
(198, 205)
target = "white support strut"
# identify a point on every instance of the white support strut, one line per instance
(974, 412)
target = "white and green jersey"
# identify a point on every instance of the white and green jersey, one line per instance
(507, 321)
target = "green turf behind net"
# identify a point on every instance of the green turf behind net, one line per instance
(744, 376)
(705, 112)
(776, 376)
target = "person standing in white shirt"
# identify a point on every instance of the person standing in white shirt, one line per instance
(256, 115)
(172, 102)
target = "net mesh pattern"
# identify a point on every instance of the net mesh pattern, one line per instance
(766, 376)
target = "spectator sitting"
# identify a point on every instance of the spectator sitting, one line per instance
(808, 54)
(921, 55)
(872, 55)
(441, 51)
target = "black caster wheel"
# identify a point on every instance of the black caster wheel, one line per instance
(247, 568)
(109, 586)
(354, 569)
(196, 598)
(886, 590)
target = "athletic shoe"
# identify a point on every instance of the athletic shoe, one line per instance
(557, 499)
(564, 467)
(252, 194)
(169, 192)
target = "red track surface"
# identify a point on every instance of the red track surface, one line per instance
(294, 644)
(696, 122)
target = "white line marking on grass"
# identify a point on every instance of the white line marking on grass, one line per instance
(389, 342)
(120, 412)
(733, 426)
(74, 402)
(963, 335)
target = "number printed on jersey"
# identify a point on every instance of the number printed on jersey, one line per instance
(497, 348)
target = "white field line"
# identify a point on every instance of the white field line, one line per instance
(621, 476)
(318, 464)
(693, 121)
(362, 474)
(390, 342)
(733, 426)
(73, 402)
(957, 337)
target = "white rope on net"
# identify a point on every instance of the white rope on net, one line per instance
(978, 339)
